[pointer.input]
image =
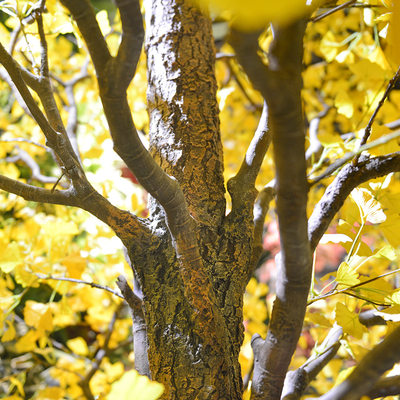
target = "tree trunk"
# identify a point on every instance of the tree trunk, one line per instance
(193, 350)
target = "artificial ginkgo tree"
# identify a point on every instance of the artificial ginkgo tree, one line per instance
(315, 82)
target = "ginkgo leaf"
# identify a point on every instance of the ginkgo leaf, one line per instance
(346, 275)
(10, 332)
(334, 238)
(348, 321)
(133, 385)
(372, 210)
(317, 319)
(28, 341)
(38, 315)
(390, 314)
(10, 258)
(75, 265)
(391, 229)
(386, 252)
(25, 278)
(54, 229)
(246, 19)
(78, 346)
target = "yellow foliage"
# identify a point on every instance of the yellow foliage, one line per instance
(78, 346)
(349, 321)
(133, 384)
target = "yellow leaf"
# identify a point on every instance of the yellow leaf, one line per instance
(348, 321)
(25, 279)
(317, 319)
(329, 47)
(10, 333)
(344, 104)
(75, 265)
(78, 346)
(391, 229)
(18, 384)
(133, 385)
(60, 228)
(367, 70)
(102, 19)
(390, 314)
(396, 27)
(346, 275)
(38, 315)
(245, 17)
(10, 258)
(28, 341)
(372, 210)
(343, 375)
(51, 393)
(334, 238)
(386, 252)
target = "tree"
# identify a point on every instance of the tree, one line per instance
(191, 259)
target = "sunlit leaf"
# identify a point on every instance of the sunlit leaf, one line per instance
(10, 332)
(244, 17)
(334, 238)
(386, 252)
(133, 385)
(348, 321)
(346, 275)
(372, 210)
(54, 229)
(317, 319)
(38, 315)
(10, 258)
(78, 346)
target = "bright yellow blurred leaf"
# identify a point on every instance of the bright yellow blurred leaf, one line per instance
(38, 315)
(54, 229)
(28, 341)
(391, 229)
(132, 385)
(10, 258)
(10, 332)
(75, 265)
(317, 319)
(78, 346)
(256, 14)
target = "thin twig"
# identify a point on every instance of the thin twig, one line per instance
(344, 290)
(333, 10)
(349, 156)
(368, 128)
(92, 284)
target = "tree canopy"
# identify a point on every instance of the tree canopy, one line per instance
(115, 160)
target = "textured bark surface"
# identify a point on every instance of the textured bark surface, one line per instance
(193, 352)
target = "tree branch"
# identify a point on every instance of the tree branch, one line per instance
(280, 84)
(241, 185)
(113, 83)
(55, 140)
(79, 281)
(140, 339)
(261, 208)
(40, 195)
(367, 373)
(367, 131)
(336, 193)
(32, 165)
